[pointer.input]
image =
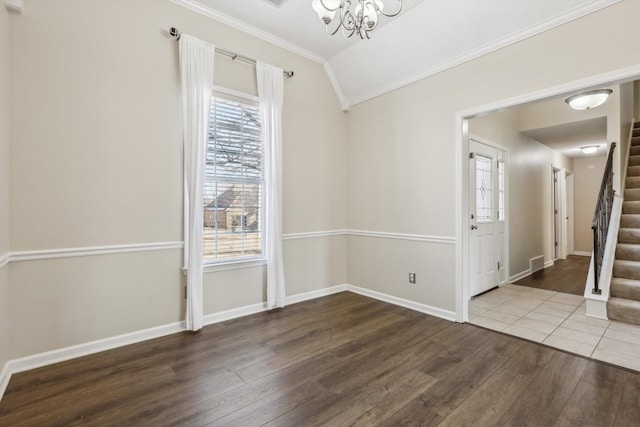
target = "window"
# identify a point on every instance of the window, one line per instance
(484, 188)
(500, 190)
(234, 181)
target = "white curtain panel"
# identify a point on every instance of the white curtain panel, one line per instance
(270, 92)
(196, 77)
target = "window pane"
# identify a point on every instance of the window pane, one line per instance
(500, 190)
(484, 188)
(234, 182)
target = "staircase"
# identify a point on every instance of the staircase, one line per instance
(624, 303)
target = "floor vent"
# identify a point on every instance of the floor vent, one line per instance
(536, 264)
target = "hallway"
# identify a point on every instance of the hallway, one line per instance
(566, 275)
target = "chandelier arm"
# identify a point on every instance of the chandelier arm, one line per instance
(326, 29)
(390, 15)
(348, 24)
(330, 9)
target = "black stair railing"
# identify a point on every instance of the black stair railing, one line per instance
(601, 217)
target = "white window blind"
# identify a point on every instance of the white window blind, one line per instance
(234, 182)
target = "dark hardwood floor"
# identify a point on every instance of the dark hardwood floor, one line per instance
(340, 360)
(566, 275)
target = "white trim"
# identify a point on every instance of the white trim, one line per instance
(4, 259)
(549, 263)
(319, 293)
(235, 265)
(581, 253)
(5, 377)
(67, 353)
(60, 355)
(399, 236)
(412, 305)
(16, 6)
(336, 86)
(235, 94)
(244, 27)
(532, 31)
(314, 234)
(91, 251)
(521, 275)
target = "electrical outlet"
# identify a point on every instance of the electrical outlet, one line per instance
(412, 277)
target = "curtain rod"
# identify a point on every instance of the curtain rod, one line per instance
(175, 33)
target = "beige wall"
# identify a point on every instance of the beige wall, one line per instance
(588, 176)
(97, 160)
(402, 145)
(4, 185)
(530, 187)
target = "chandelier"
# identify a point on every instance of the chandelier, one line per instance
(356, 16)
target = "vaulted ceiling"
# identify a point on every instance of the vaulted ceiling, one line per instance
(429, 36)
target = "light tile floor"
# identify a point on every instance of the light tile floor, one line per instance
(557, 320)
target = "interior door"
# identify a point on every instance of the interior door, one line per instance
(487, 222)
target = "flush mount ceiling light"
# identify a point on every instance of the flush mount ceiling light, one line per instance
(589, 149)
(356, 16)
(588, 100)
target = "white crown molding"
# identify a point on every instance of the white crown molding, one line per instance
(344, 102)
(4, 259)
(398, 236)
(249, 29)
(91, 251)
(15, 5)
(532, 31)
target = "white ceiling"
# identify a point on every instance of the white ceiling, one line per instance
(427, 37)
(567, 138)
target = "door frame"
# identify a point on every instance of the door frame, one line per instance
(559, 231)
(505, 242)
(461, 130)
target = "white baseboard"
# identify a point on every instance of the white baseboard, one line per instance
(549, 263)
(67, 353)
(5, 376)
(580, 253)
(60, 355)
(412, 305)
(520, 275)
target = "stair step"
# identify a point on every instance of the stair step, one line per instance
(632, 194)
(628, 251)
(633, 171)
(635, 149)
(634, 160)
(624, 310)
(636, 132)
(633, 181)
(629, 221)
(636, 125)
(626, 269)
(625, 288)
(630, 207)
(629, 235)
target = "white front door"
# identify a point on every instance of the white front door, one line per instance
(487, 222)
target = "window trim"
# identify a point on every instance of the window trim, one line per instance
(232, 263)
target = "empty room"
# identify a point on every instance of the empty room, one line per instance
(319, 212)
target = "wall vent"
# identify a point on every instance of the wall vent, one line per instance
(276, 3)
(536, 264)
